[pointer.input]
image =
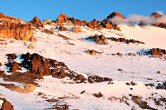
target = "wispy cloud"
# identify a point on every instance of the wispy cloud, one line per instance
(137, 19)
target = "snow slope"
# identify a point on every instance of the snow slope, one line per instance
(122, 69)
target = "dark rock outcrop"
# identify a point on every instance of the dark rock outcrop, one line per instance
(142, 104)
(38, 66)
(154, 52)
(161, 85)
(127, 41)
(99, 39)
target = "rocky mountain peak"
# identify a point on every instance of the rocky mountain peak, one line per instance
(2, 15)
(156, 15)
(115, 14)
(36, 22)
(62, 17)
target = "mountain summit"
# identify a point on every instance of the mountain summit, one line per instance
(156, 15)
(113, 15)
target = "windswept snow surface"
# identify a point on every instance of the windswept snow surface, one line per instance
(71, 51)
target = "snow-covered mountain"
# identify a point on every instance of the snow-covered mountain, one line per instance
(71, 64)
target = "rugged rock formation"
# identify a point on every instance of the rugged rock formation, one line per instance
(62, 18)
(77, 22)
(36, 22)
(99, 39)
(62, 28)
(16, 30)
(6, 105)
(102, 40)
(94, 24)
(38, 66)
(154, 52)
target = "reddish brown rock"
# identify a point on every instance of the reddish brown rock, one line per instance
(98, 95)
(16, 30)
(2, 15)
(62, 18)
(156, 52)
(36, 22)
(38, 66)
(94, 24)
(142, 104)
(76, 29)
(108, 25)
(95, 78)
(62, 28)
(6, 105)
(99, 39)
(77, 22)
(14, 67)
